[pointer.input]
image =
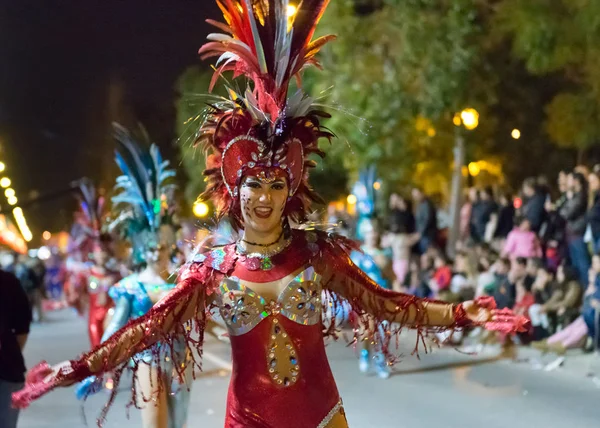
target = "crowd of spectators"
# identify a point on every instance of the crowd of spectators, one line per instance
(535, 252)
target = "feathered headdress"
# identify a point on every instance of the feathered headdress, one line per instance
(263, 131)
(86, 232)
(144, 197)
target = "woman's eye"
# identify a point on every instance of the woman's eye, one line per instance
(278, 186)
(253, 185)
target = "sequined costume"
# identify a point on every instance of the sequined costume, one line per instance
(272, 301)
(277, 345)
(99, 281)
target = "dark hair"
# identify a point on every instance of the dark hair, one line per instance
(528, 283)
(488, 191)
(521, 261)
(579, 177)
(570, 272)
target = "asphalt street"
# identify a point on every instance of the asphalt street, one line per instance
(443, 389)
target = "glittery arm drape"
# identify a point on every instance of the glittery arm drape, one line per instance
(379, 315)
(179, 315)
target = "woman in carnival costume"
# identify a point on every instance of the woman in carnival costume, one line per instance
(92, 270)
(268, 284)
(145, 201)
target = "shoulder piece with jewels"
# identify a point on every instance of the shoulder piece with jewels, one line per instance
(273, 302)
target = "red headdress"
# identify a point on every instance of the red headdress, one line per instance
(263, 132)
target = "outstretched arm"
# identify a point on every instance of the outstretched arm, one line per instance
(168, 319)
(346, 280)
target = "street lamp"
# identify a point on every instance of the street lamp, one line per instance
(516, 134)
(9, 193)
(469, 118)
(5, 182)
(2, 167)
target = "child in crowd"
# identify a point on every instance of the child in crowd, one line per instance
(401, 244)
(487, 280)
(463, 280)
(522, 242)
(440, 282)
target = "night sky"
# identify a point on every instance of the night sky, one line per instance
(61, 61)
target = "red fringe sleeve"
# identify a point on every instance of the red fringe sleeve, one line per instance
(181, 314)
(380, 315)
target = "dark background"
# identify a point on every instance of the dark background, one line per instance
(68, 69)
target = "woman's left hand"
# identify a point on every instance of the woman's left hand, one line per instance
(483, 312)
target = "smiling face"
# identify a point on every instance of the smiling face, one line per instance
(262, 203)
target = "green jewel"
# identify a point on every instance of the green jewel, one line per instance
(266, 264)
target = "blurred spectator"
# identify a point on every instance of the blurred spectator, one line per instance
(576, 333)
(15, 319)
(466, 213)
(482, 214)
(562, 306)
(533, 209)
(506, 215)
(543, 184)
(593, 214)
(32, 284)
(401, 244)
(464, 278)
(425, 220)
(574, 212)
(524, 301)
(506, 292)
(442, 277)
(401, 217)
(522, 242)
(487, 281)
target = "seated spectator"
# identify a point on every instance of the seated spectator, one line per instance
(506, 215)
(506, 292)
(529, 304)
(442, 274)
(487, 280)
(562, 306)
(575, 334)
(463, 279)
(522, 242)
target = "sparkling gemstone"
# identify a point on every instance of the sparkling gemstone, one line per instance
(271, 370)
(286, 381)
(300, 306)
(273, 363)
(277, 329)
(293, 360)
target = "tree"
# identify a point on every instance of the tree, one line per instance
(394, 68)
(560, 38)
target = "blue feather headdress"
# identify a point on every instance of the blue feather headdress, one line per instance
(144, 197)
